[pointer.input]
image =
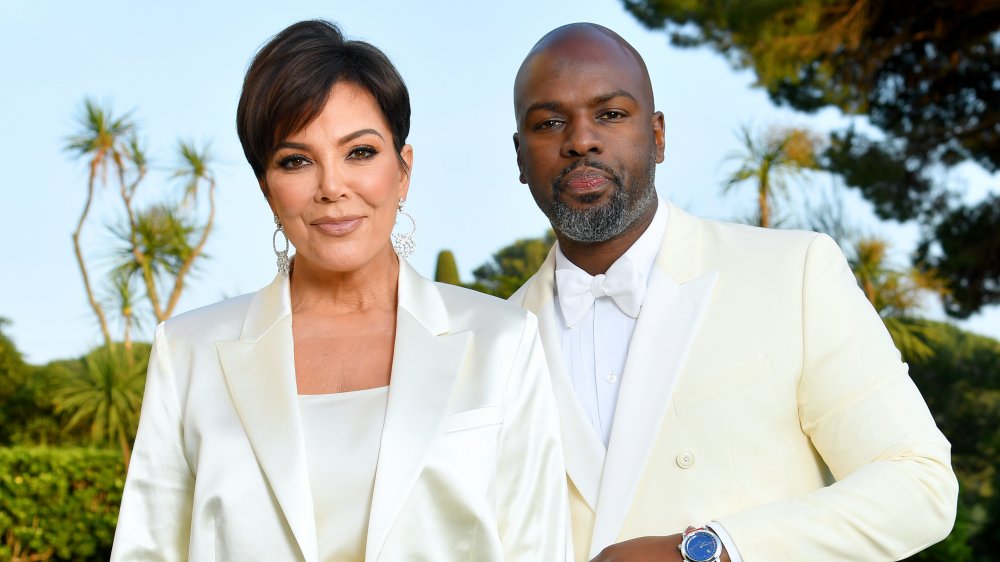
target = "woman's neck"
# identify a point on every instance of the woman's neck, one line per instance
(370, 287)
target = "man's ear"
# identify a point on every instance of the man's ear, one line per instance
(520, 165)
(658, 135)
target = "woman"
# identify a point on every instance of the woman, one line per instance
(352, 410)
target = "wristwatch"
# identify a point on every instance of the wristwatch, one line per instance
(700, 545)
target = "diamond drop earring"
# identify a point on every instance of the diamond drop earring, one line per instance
(403, 244)
(281, 255)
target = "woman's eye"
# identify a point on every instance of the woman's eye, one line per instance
(292, 162)
(361, 153)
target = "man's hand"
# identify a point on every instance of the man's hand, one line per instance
(647, 549)
(643, 549)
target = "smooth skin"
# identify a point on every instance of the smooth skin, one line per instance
(583, 94)
(336, 185)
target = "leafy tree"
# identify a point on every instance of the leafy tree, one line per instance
(446, 270)
(925, 73)
(961, 383)
(770, 159)
(968, 254)
(99, 141)
(511, 266)
(13, 374)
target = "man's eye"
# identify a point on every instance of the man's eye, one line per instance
(549, 124)
(613, 115)
(293, 161)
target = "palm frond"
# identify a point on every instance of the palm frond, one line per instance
(194, 166)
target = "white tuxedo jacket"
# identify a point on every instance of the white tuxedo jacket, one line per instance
(762, 391)
(470, 466)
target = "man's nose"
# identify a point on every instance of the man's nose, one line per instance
(582, 138)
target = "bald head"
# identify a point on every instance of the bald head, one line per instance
(582, 43)
(588, 138)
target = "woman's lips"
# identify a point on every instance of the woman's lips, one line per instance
(338, 227)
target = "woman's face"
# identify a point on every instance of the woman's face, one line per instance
(336, 184)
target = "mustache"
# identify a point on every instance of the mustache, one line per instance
(557, 183)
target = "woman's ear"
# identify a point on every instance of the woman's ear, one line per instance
(262, 182)
(406, 154)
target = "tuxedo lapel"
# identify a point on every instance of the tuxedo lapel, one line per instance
(583, 449)
(677, 295)
(260, 372)
(426, 361)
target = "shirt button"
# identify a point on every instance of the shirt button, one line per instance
(611, 378)
(685, 459)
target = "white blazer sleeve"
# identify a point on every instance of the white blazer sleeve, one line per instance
(532, 505)
(895, 492)
(155, 517)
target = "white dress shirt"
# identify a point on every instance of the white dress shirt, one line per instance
(595, 346)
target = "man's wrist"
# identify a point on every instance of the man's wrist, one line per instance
(701, 544)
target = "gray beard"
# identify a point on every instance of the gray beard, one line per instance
(600, 224)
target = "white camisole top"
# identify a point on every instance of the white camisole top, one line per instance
(342, 433)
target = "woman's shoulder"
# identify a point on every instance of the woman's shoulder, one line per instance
(474, 310)
(217, 321)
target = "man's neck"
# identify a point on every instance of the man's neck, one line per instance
(596, 257)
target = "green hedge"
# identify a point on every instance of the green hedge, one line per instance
(59, 504)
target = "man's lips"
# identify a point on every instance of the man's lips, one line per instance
(584, 180)
(338, 226)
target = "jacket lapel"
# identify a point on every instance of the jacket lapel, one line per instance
(426, 362)
(260, 371)
(677, 297)
(583, 450)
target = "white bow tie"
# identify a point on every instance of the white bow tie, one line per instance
(624, 283)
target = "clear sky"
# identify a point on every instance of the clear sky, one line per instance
(178, 67)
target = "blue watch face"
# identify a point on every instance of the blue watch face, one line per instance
(701, 546)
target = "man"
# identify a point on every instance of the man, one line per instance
(752, 388)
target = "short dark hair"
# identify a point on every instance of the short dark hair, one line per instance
(290, 78)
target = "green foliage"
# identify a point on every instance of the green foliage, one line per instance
(897, 296)
(512, 266)
(104, 396)
(968, 254)
(163, 235)
(58, 504)
(446, 270)
(924, 73)
(961, 383)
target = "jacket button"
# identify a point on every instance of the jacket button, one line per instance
(685, 459)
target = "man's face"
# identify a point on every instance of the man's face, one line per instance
(588, 139)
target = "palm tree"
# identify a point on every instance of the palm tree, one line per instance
(122, 298)
(105, 393)
(99, 141)
(897, 297)
(771, 159)
(155, 245)
(194, 169)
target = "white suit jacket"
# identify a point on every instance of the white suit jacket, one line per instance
(762, 391)
(470, 466)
